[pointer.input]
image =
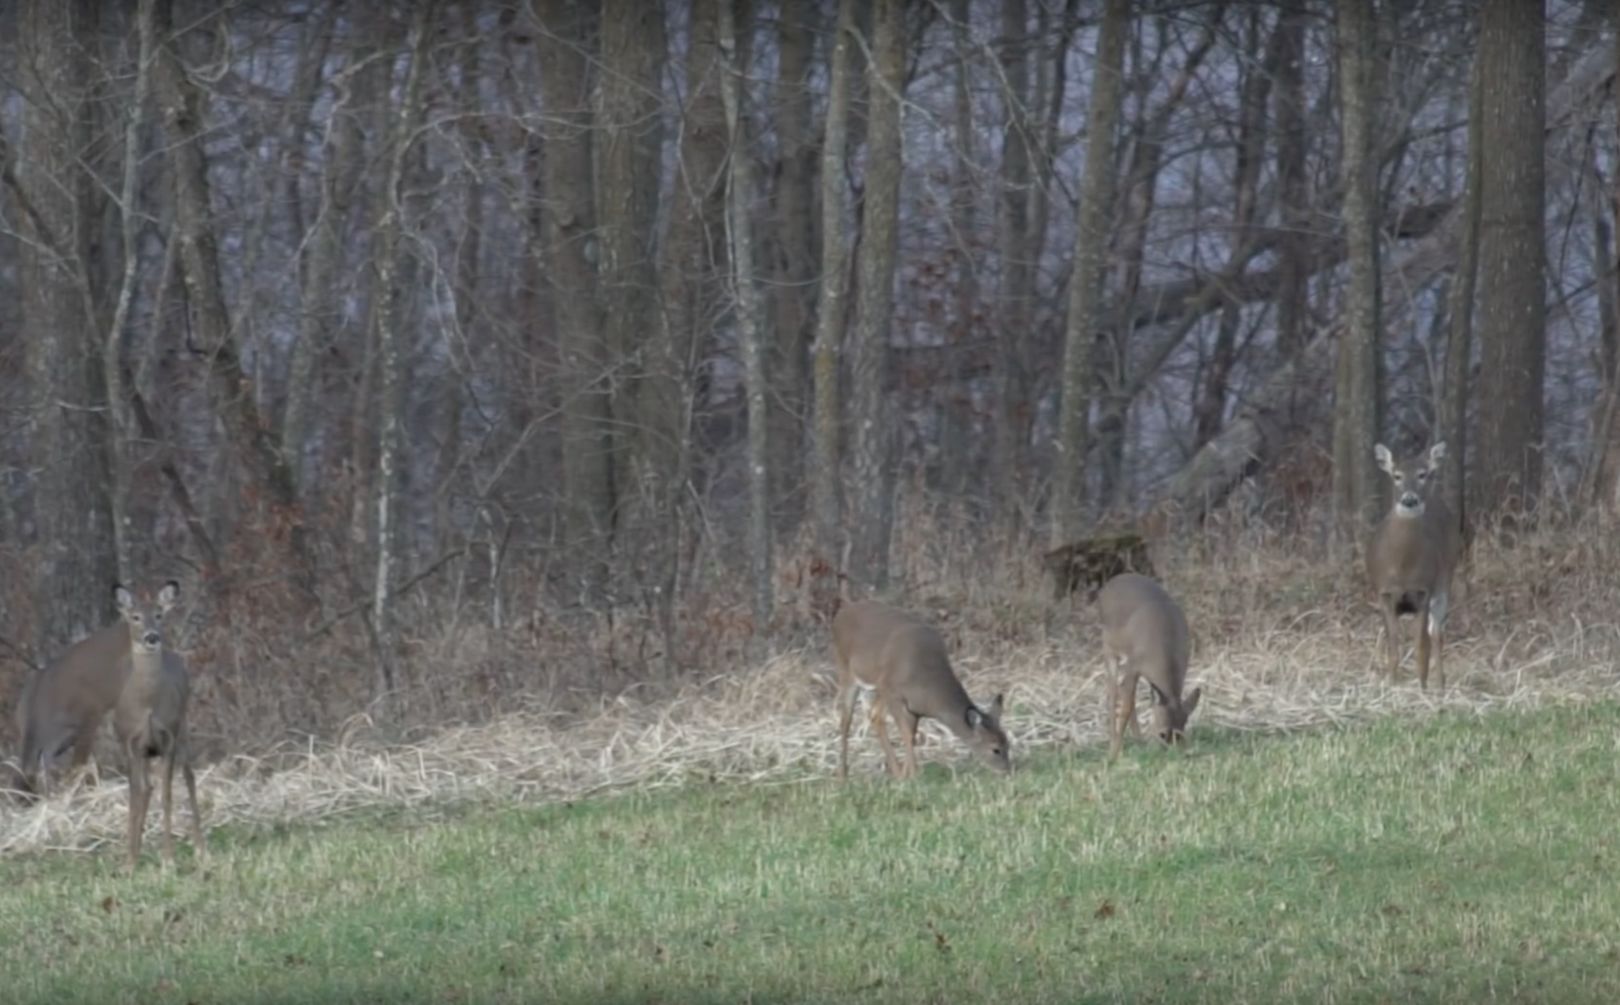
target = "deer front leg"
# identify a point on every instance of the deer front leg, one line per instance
(846, 715)
(908, 721)
(140, 792)
(1423, 644)
(1123, 708)
(880, 725)
(1392, 637)
(168, 808)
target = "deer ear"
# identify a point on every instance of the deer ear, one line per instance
(1437, 453)
(169, 594)
(995, 707)
(122, 598)
(1386, 460)
(1191, 701)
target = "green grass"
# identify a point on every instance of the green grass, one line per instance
(1446, 859)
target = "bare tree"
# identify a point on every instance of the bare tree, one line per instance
(1460, 311)
(391, 349)
(830, 296)
(750, 306)
(72, 444)
(569, 229)
(1512, 255)
(1085, 283)
(872, 476)
(1358, 388)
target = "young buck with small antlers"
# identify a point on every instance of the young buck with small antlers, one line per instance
(1145, 634)
(1411, 557)
(903, 661)
(150, 719)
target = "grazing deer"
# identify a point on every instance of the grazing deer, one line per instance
(1411, 557)
(150, 719)
(902, 660)
(62, 707)
(1145, 635)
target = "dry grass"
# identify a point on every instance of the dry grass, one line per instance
(1285, 641)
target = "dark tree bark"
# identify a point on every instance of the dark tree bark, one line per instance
(1085, 283)
(1512, 256)
(568, 228)
(73, 509)
(826, 502)
(1460, 311)
(1358, 385)
(750, 308)
(793, 272)
(872, 476)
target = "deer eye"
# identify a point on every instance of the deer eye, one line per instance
(135, 618)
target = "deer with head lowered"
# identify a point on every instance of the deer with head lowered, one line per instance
(1145, 634)
(902, 660)
(1411, 557)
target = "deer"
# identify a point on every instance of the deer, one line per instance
(902, 660)
(63, 706)
(1145, 637)
(1411, 557)
(150, 719)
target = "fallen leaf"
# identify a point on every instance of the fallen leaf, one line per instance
(1104, 910)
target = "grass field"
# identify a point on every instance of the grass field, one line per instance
(1454, 857)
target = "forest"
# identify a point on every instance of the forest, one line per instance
(464, 353)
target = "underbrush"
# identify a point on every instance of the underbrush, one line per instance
(554, 707)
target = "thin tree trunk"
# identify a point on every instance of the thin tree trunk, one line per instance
(1085, 283)
(830, 306)
(1013, 300)
(391, 351)
(1512, 256)
(1289, 113)
(957, 455)
(112, 353)
(750, 315)
(1358, 387)
(872, 471)
(1460, 310)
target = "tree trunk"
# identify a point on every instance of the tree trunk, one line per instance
(73, 508)
(1460, 310)
(629, 138)
(1288, 105)
(750, 306)
(826, 475)
(1358, 385)
(569, 226)
(1086, 281)
(1014, 298)
(872, 473)
(1512, 256)
(794, 272)
(391, 349)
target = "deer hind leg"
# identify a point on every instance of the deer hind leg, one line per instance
(190, 777)
(1122, 707)
(1422, 618)
(1439, 604)
(880, 725)
(168, 806)
(140, 792)
(907, 720)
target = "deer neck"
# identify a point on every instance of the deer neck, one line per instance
(145, 666)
